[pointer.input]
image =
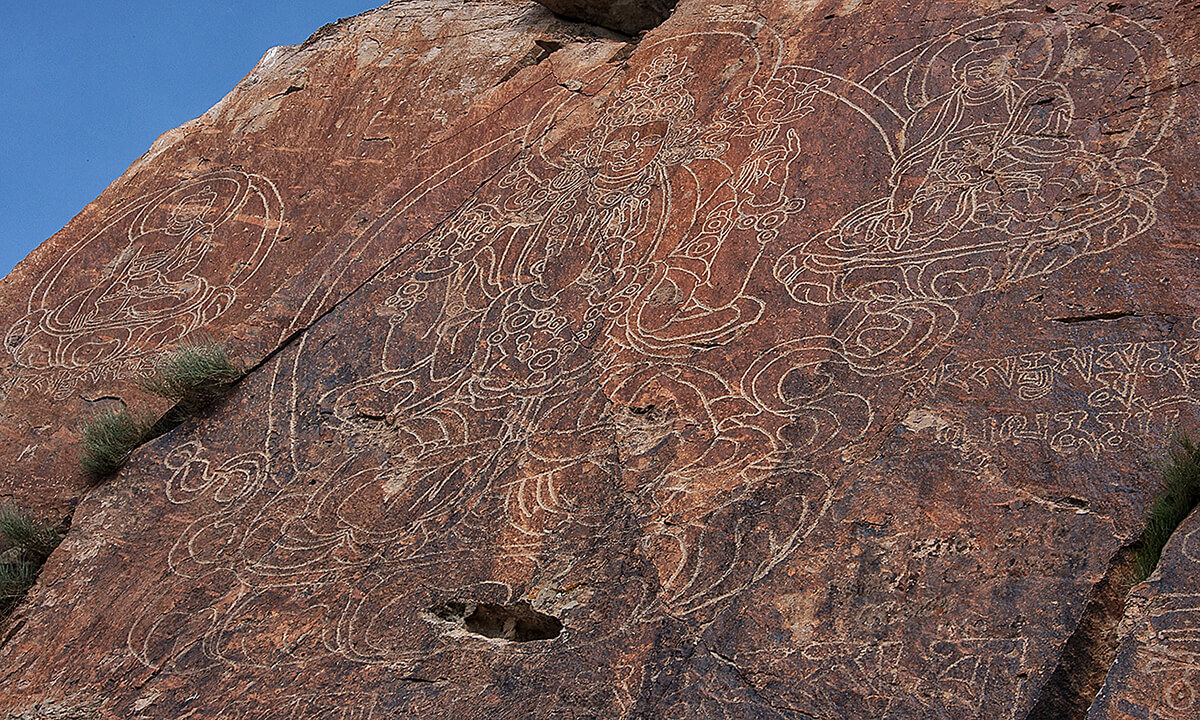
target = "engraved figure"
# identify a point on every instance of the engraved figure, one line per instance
(165, 281)
(996, 178)
(551, 396)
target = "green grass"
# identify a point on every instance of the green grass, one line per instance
(1179, 496)
(15, 580)
(193, 375)
(21, 530)
(107, 439)
(26, 543)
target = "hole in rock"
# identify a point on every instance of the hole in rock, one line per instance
(517, 622)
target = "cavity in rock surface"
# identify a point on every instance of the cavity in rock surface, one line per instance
(517, 622)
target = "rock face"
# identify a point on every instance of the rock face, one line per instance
(194, 238)
(797, 360)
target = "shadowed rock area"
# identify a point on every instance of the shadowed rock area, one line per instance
(625, 16)
(795, 360)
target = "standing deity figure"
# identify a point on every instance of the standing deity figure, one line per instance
(482, 409)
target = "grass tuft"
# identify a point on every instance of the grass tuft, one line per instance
(26, 543)
(1180, 495)
(15, 580)
(107, 439)
(22, 530)
(194, 375)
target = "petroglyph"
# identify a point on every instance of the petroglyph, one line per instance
(553, 408)
(331, 706)
(1157, 672)
(997, 175)
(1132, 390)
(170, 276)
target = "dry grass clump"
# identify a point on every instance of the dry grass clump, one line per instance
(107, 439)
(193, 375)
(26, 542)
(1180, 495)
(15, 580)
(22, 530)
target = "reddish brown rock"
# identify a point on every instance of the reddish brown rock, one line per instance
(801, 361)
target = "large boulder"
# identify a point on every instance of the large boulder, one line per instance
(799, 360)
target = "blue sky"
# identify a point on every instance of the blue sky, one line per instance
(89, 84)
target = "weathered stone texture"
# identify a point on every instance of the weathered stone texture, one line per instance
(803, 359)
